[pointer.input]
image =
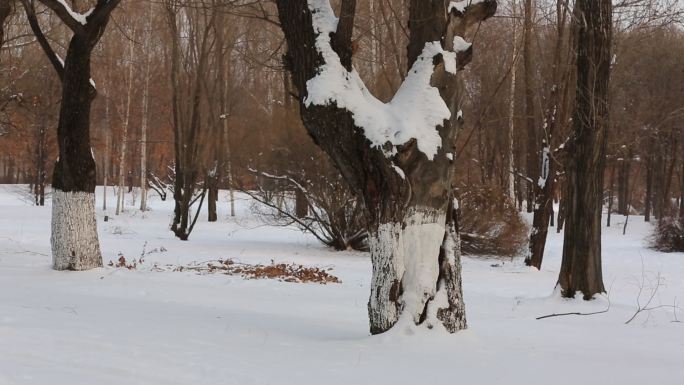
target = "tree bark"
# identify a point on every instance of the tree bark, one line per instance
(581, 265)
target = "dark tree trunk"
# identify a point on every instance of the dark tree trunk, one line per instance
(668, 173)
(212, 197)
(623, 184)
(406, 195)
(543, 211)
(41, 159)
(658, 184)
(611, 194)
(581, 266)
(648, 198)
(301, 204)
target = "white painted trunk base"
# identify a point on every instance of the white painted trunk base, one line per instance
(75, 245)
(406, 271)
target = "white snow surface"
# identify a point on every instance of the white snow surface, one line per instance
(111, 326)
(414, 112)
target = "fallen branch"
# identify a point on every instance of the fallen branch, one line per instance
(574, 313)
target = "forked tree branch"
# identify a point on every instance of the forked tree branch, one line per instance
(54, 59)
(65, 13)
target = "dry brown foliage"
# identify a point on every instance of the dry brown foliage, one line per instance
(490, 223)
(279, 271)
(282, 272)
(669, 235)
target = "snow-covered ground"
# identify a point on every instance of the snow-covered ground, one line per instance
(125, 327)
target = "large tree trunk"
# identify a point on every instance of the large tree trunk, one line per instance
(406, 189)
(581, 265)
(74, 240)
(75, 245)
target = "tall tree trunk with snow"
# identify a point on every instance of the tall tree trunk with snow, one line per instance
(74, 239)
(581, 269)
(401, 169)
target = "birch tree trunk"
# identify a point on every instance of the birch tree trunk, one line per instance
(145, 110)
(511, 111)
(120, 200)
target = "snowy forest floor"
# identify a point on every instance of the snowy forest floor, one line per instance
(118, 326)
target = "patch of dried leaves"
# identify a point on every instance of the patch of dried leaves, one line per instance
(279, 271)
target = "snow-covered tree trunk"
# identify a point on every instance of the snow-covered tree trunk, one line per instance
(396, 156)
(75, 245)
(417, 272)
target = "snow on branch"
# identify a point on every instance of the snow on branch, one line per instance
(74, 20)
(461, 6)
(79, 17)
(417, 108)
